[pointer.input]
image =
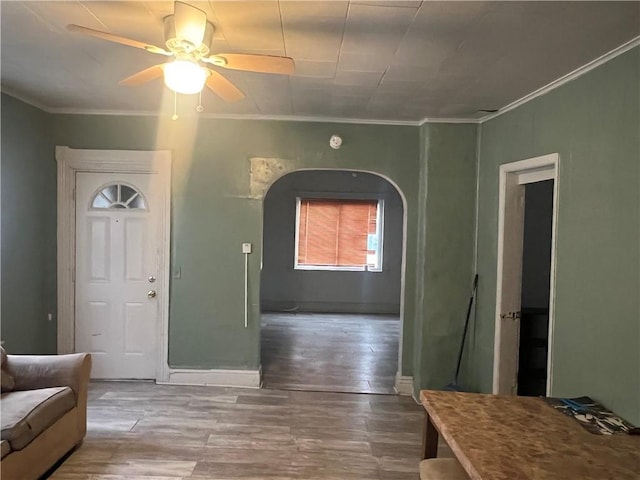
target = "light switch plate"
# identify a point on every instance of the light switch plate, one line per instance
(246, 248)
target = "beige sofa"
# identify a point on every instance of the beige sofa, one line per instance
(43, 411)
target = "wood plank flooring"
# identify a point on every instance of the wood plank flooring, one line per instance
(330, 352)
(143, 431)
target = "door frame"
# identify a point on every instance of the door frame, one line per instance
(70, 161)
(531, 170)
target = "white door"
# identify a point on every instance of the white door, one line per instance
(509, 307)
(116, 298)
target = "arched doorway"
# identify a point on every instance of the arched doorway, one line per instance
(331, 284)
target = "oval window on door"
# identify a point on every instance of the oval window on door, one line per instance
(118, 195)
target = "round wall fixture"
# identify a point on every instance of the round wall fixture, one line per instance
(335, 142)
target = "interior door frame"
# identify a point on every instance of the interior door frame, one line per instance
(70, 161)
(531, 170)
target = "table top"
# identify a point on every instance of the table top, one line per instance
(506, 438)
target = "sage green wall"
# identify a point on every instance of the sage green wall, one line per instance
(445, 251)
(593, 123)
(28, 229)
(213, 213)
(420, 262)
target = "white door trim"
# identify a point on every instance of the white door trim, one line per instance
(526, 171)
(71, 161)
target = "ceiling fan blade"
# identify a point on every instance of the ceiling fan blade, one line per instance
(117, 39)
(223, 87)
(253, 63)
(190, 23)
(143, 76)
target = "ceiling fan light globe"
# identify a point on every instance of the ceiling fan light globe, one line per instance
(184, 76)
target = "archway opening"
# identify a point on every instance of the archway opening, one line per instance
(331, 283)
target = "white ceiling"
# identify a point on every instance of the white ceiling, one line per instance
(387, 61)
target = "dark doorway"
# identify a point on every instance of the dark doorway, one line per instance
(536, 277)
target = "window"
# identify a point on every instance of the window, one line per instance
(339, 234)
(118, 196)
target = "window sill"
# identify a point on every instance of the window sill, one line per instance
(329, 268)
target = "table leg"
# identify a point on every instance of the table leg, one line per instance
(429, 438)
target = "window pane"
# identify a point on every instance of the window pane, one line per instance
(126, 193)
(302, 231)
(352, 234)
(137, 202)
(111, 192)
(108, 197)
(337, 233)
(322, 223)
(100, 202)
(373, 240)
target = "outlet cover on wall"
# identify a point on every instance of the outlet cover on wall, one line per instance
(246, 248)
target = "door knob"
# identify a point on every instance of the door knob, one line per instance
(151, 294)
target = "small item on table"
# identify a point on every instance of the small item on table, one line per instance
(593, 416)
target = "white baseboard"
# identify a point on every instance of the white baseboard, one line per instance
(404, 385)
(216, 378)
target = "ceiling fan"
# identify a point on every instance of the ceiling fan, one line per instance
(188, 37)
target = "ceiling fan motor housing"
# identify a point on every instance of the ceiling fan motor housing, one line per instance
(179, 45)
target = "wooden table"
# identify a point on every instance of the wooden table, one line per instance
(523, 438)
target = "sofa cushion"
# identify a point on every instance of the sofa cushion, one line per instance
(6, 380)
(5, 448)
(26, 414)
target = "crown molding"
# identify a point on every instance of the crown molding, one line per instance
(578, 72)
(223, 116)
(281, 118)
(427, 120)
(97, 111)
(27, 100)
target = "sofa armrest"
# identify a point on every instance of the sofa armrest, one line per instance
(44, 371)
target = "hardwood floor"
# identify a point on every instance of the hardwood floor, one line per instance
(330, 352)
(143, 431)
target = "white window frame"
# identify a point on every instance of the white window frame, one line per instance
(333, 268)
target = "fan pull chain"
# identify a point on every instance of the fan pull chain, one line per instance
(200, 108)
(175, 106)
